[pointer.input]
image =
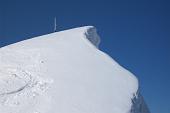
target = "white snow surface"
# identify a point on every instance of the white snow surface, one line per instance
(65, 72)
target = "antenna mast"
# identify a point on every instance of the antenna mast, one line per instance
(55, 24)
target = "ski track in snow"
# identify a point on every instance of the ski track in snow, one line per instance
(18, 80)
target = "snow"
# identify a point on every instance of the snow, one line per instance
(65, 72)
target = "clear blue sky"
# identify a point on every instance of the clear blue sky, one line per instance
(136, 33)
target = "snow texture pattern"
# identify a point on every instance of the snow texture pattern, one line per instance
(65, 72)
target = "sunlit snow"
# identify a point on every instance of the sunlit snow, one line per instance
(65, 72)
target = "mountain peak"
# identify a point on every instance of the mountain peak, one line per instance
(89, 32)
(64, 72)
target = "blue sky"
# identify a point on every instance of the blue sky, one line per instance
(135, 33)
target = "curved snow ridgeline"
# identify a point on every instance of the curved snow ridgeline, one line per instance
(65, 72)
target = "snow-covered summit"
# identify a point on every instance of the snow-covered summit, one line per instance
(89, 33)
(65, 72)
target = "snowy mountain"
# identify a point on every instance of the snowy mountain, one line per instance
(65, 72)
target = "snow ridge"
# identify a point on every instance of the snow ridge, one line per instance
(64, 72)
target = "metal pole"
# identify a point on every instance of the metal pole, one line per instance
(55, 24)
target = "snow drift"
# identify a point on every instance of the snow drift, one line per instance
(65, 72)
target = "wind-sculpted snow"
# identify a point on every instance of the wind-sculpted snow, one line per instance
(92, 36)
(65, 72)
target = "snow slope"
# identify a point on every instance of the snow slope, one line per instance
(65, 72)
